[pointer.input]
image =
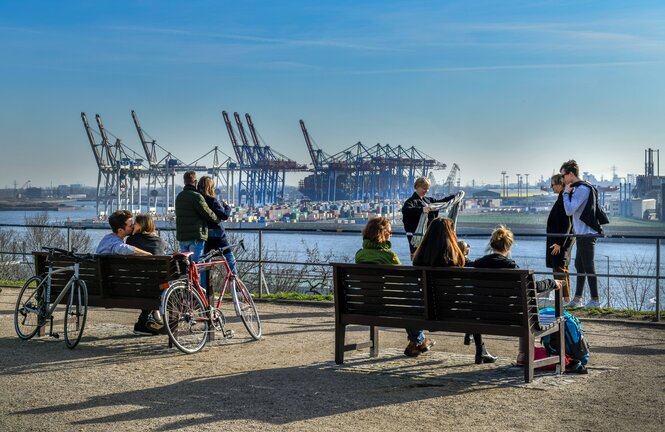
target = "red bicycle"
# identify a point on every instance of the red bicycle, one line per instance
(188, 315)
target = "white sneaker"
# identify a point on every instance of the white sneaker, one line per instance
(576, 302)
(592, 303)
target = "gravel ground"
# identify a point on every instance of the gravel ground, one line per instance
(115, 380)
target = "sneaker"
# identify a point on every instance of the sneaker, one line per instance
(426, 345)
(152, 324)
(412, 350)
(141, 328)
(577, 368)
(576, 302)
(592, 303)
(157, 316)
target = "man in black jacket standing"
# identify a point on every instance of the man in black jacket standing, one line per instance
(418, 204)
(558, 248)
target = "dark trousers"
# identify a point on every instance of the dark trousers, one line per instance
(584, 263)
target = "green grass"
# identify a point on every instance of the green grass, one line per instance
(11, 283)
(599, 312)
(298, 296)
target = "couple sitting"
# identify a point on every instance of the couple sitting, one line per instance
(439, 248)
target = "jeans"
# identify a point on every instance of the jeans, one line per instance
(195, 246)
(584, 263)
(416, 335)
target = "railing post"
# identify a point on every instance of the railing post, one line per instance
(262, 279)
(658, 279)
(69, 238)
(609, 305)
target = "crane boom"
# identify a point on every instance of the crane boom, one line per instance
(149, 152)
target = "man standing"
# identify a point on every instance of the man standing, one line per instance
(580, 200)
(122, 225)
(192, 215)
(416, 205)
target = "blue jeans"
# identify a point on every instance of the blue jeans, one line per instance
(195, 246)
(416, 335)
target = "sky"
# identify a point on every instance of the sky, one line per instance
(515, 86)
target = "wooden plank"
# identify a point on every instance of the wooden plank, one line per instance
(480, 283)
(384, 309)
(384, 301)
(480, 299)
(493, 317)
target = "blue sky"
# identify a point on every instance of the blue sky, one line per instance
(491, 85)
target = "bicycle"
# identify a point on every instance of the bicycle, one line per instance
(34, 306)
(187, 312)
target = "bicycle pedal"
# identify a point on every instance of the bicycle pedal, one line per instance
(55, 335)
(228, 334)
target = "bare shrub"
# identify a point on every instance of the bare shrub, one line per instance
(636, 292)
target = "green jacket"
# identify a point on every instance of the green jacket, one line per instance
(192, 215)
(376, 253)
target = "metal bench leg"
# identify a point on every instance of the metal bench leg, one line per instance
(528, 366)
(374, 337)
(340, 331)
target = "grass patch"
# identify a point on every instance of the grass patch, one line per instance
(599, 312)
(11, 283)
(298, 296)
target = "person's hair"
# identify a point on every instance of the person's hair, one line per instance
(118, 219)
(206, 186)
(439, 246)
(571, 167)
(464, 247)
(377, 229)
(421, 181)
(189, 177)
(557, 179)
(146, 223)
(501, 240)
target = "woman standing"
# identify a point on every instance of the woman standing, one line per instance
(439, 248)
(557, 254)
(216, 234)
(376, 250)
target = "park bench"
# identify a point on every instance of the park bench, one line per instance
(465, 300)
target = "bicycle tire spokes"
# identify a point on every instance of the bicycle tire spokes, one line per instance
(186, 318)
(29, 310)
(245, 308)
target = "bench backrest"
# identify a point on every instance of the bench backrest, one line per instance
(114, 277)
(501, 297)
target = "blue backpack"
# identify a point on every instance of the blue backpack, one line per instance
(576, 345)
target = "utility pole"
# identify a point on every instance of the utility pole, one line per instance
(503, 183)
(519, 185)
(527, 185)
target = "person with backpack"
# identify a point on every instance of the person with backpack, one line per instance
(580, 200)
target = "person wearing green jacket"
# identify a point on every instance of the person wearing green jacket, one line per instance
(376, 250)
(192, 215)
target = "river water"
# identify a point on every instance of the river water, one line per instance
(614, 257)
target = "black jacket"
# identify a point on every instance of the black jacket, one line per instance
(149, 243)
(592, 215)
(558, 222)
(222, 211)
(498, 261)
(413, 208)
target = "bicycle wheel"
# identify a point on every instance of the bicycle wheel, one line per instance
(29, 308)
(76, 312)
(186, 318)
(245, 308)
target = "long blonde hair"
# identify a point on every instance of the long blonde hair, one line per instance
(206, 186)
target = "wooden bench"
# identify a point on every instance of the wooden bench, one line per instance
(464, 300)
(115, 281)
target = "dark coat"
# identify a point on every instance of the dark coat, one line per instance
(559, 223)
(413, 208)
(216, 234)
(192, 215)
(147, 242)
(498, 261)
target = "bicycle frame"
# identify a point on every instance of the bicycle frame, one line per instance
(67, 289)
(195, 279)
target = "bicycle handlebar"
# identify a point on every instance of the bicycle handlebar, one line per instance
(220, 251)
(71, 254)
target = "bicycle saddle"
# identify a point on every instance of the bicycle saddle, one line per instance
(183, 254)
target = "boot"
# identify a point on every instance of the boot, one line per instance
(467, 339)
(483, 356)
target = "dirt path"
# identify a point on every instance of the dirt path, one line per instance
(115, 380)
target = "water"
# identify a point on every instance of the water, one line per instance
(612, 256)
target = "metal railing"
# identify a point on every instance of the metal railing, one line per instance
(261, 262)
